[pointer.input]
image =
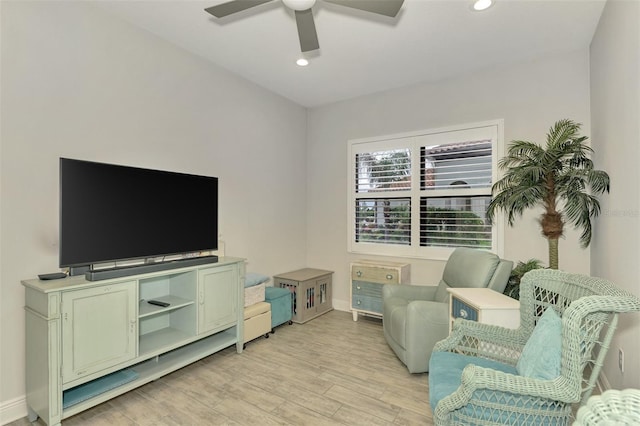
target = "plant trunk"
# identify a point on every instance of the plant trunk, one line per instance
(553, 253)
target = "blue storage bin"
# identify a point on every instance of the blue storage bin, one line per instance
(280, 300)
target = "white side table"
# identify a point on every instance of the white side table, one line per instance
(483, 305)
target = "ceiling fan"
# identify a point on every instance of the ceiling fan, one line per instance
(304, 16)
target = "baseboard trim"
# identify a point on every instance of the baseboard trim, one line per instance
(13, 410)
(602, 383)
(340, 305)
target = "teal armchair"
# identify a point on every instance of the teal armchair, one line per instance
(416, 317)
(481, 374)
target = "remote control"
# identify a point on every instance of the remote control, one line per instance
(158, 303)
(53, 276)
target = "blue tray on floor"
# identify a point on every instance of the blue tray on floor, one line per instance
(95, 387)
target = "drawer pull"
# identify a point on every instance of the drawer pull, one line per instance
(358, 287)
(463, 313)
(389, 276)
(358, 302)
(359, 273)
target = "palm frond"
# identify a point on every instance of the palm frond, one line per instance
(598, 181)
(561, 132)
(514, 201)
(521, 153)
(579, 208)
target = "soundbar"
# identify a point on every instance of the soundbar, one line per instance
(105, 274)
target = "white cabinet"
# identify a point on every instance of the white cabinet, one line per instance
(90, 341)
(99, 329)
(483, 305)
(218, 298)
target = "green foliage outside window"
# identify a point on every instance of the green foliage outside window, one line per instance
(439, 227)
(395, 229)
(453, 228)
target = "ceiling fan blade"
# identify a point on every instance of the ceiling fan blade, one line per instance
(228, 8)
(307, 30)
(381, 7)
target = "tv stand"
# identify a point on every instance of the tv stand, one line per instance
(90, 341)
(117, 272)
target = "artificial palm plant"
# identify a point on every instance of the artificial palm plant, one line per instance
(559, 177)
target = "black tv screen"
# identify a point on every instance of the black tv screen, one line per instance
(110, 212)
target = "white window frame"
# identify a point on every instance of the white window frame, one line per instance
(451, 134)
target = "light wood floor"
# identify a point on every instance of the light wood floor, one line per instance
(328, 371)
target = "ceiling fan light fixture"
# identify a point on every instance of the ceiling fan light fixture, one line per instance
(299, 4)
(480, 5)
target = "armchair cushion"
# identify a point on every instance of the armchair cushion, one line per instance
(541, 356)
(467, 268)
(445, 372)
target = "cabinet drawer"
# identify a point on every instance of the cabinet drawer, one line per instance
(375, 274)
(367, 303)
(366, 296)
(361, 288)
(459, 309)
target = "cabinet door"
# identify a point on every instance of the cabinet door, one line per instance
(324, 298)
(99, 329)
(218, 298)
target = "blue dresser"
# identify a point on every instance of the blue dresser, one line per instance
(367, 279)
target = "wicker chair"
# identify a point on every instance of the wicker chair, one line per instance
(589, 308)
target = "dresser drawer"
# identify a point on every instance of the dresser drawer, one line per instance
(459, 309)
(367, 303)
(484, 306)
(362, 288)
(375, 274)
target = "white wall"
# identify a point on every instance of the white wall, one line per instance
(615, 109)
(530, 97)
(80, 84)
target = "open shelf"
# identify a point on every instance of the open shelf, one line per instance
(160, 365)
(161, 339)
(146, 309)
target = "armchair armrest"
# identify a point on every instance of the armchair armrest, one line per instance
(484, 340)
(514, 392)
(409, 292)
(487, 378)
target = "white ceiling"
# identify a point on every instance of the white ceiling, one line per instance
(362, 53)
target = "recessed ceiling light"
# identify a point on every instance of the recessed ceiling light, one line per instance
(482, 4)
(302, 62)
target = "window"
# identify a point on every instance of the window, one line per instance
(422, 195)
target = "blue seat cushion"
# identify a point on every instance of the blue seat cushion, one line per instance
(253, 279)
(445, 372)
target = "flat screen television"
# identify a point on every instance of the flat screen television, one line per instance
(110, 213)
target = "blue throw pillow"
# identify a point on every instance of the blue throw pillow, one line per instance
(541, 356)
